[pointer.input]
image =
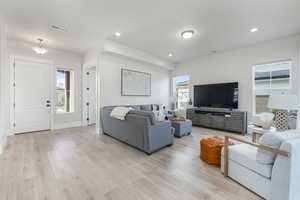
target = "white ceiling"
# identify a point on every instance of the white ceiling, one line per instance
(153, 26)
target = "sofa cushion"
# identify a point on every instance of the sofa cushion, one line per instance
(135, 107)
(274, 140)
(245, 155)
(146, 107)
(150, 115)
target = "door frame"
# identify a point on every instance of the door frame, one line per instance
(84, 93)
(12, 59)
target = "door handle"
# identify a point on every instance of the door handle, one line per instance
(48, 105)
(48, 101)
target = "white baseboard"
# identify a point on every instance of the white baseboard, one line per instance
(1, 149)
(3, 145)
(10, 132)
(67, 125)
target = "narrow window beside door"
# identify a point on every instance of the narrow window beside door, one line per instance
(64, 91)
(181, 91)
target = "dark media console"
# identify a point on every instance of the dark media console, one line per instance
(223, 119)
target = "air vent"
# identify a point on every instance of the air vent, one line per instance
(58, 28)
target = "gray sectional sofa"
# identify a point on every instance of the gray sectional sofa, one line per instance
(139, 129)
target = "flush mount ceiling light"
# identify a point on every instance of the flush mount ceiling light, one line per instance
(170, 55)
(118, 34)
(253, 30)
(187, 34)
(40, 49)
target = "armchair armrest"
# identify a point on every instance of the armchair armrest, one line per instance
(266, 148)
(158, 136)
(254, 136)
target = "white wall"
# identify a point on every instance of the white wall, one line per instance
(237, 65)
(90, 57)
(4, 111)
(61, 60)
(109, 59)
(123, 50)
(110, 81)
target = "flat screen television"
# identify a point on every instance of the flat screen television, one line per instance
(222, 95)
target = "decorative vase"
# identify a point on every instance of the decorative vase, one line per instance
(190, 102)
(282, 120)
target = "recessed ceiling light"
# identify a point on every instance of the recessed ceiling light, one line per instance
(187, 34)
(254, 30)
(170, 55)
(118, 34)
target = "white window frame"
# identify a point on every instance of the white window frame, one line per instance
(74, 90)
(174, 88)
(253, 81)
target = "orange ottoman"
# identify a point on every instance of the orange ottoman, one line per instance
(211, 150)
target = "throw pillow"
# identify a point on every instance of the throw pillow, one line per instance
(159, 116)
(273, 140)
(146, 107)
(145, 114)
(120, 112)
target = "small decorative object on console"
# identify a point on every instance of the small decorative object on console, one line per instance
(190, 102)
(177, 118)
(283, 103)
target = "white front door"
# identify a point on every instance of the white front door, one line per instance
(32, 96)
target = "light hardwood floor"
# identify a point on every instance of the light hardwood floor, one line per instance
(76, 164)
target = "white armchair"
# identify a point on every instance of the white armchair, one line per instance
(278, 181)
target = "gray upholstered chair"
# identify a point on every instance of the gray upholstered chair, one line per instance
(278, 180)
